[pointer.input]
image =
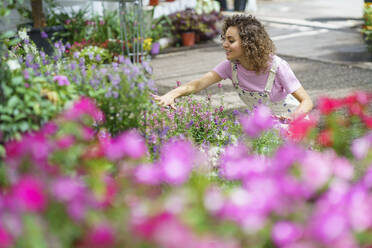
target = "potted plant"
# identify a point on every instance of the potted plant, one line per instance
(184, 24)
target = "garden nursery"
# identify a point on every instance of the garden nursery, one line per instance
(88, 159)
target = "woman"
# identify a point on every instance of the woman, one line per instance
(258, 75)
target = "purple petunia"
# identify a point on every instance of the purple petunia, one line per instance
(61, 80)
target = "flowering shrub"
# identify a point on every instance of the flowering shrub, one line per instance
(38, 86)
(194, 120)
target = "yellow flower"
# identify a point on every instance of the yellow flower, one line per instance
(147, 44)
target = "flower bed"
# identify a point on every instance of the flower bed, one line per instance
(66, 184)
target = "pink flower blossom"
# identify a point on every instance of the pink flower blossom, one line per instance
(360, 147)
(67, 189)
(5, 239)
(129, 144)
(61, 80)
(165, 230)
(176, 161)
(65, 142)
(285, 233)
(148, 174)
(102, 236)
(258, 121)
(84, 106)
(28, 193)
(316, 169)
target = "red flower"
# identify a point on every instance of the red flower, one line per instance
(300, 127)
(325, 138)
(328, 105)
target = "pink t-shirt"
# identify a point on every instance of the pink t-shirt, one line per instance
(285, 80)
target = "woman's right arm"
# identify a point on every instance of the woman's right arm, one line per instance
(187, 89)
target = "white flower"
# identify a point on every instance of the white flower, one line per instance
(23, 34)
(13, 64)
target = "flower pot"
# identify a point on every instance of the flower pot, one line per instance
(188, 38)
(154, 2)
(155, 48)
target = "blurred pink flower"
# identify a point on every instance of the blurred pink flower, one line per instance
(360, 147)
(176, 161)
(65, 142)
(28, 193)
(129, 143)
(61, 80)
(285, 233)
(165, 230)
(67, 189)
(316, 169)
(102, 236)
(258, 121)
(5, 239)
(84, 106)
(148, 174)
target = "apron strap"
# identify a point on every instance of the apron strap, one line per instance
(272, 72)
(234, 73)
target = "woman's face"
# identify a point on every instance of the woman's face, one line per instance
(232, 44)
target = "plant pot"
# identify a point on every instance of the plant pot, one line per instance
(154, 2)
(44, 43)
(155, 48)
(188, 38)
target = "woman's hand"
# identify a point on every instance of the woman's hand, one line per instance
(165, 100)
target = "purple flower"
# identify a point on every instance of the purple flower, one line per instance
(61, 80)
(258, 121)
(26, 74)
(44, 35)
(285, 233)
(76, 56)
(98, 58)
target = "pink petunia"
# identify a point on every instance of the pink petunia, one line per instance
(176, 161)
(285, 233)
(101, 236)
(84, 106)
(129, 143)
(29, 194)
(259, 120)
(5, 239)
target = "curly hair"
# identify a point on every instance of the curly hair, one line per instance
(256, 43)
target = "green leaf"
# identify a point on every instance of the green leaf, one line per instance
(18, 80)
(6, 118)
(23, 126)
(39, 80)
(13, 101)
